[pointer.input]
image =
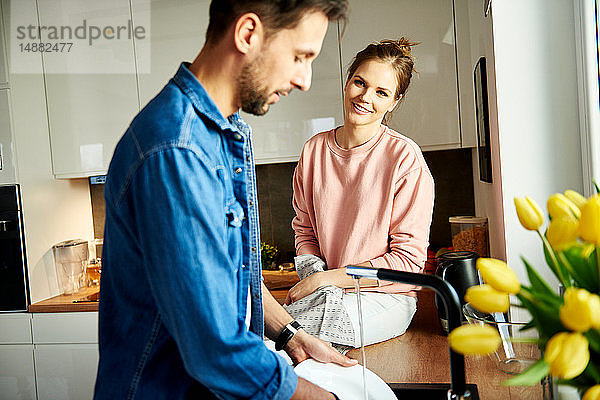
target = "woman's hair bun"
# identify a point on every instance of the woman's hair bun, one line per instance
(402, 45)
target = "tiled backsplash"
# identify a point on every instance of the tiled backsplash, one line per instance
(451, 170)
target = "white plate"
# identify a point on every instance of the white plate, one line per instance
(345, 382)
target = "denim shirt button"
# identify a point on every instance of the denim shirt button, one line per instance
(237, 170)
(253, 249)
(237, 137)
(250, 203)
(243, 265)
(248, 158)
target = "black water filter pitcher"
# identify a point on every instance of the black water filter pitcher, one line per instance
(458, 269)
(14, 294)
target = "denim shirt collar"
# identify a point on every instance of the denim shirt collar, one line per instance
(205, 105)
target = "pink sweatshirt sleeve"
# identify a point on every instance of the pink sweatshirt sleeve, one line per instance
(305, 238)
(411, 219)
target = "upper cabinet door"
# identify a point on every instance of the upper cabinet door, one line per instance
(7, 162)
(178, 33)
(91, 96)
(280, 134)
(429, 112)
(3, 47)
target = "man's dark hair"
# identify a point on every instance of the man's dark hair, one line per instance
(274, 14)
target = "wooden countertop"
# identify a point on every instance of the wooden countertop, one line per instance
(421, 355)
(277, 280)
(64, 303)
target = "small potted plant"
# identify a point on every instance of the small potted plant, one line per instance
(268, 256)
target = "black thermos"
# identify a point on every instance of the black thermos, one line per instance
(458, 269)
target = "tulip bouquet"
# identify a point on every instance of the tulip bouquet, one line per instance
(568, 324)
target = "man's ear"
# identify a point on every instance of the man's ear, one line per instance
(248, 33)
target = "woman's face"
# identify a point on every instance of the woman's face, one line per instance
(369, 93)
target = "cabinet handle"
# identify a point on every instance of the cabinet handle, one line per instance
(488, 6)
(3, 224)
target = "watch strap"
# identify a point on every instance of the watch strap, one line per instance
(286, 334)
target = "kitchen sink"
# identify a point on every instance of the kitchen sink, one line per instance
(428, 391)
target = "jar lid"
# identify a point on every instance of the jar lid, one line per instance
(69, 243)
(467, 220)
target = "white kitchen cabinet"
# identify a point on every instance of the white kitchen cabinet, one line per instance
(7, 145)
(71, 327)
(178, 31)
(15, 328)
(17, 376)
(66, 354)
(65, 371)
(279, 135)
(88, 112)
(429, 113)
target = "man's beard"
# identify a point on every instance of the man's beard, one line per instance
(253, 95)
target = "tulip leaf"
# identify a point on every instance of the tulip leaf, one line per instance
(538, 284)
(550, 299)
(559, 270)
(529, 325)
(593, 337)
(584, 269)
(544, 315)
(594, 265)
(575, 273)
(531, 376)
(596, 186)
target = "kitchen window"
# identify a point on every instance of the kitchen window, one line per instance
(587, 27)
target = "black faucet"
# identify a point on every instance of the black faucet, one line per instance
(451, 303)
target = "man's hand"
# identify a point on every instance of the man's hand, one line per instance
(304, 346)
(306, 286)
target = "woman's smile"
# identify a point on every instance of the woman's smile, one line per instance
(359, 109)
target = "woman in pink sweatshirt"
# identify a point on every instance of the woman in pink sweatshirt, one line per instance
(363, 195)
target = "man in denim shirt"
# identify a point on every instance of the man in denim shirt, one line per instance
(181, 247)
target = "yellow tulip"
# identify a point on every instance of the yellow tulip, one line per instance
(581, 310)
(567, 354)
(576, 198)
(560, 206)
(498, 275)
(589, 222)
(487, 299)
(562, 232)
(474, 339)
(529, 213)
(592, 393)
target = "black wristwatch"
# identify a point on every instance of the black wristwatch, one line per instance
(287, 334)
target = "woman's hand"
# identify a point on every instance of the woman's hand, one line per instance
(306, 286)
(303, 346)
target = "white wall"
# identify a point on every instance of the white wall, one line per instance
(53, 210)
(537, 106)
